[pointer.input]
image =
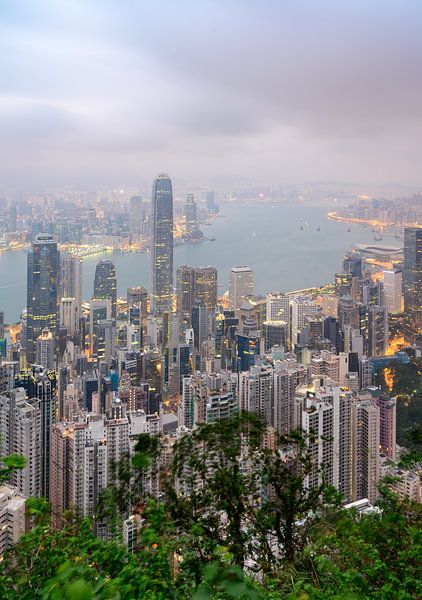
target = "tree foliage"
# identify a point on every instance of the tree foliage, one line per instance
(236, 521)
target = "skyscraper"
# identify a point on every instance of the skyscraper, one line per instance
(393, 290)
(196, 284)
(206, 287)
(42, 290)
(278, 307)
(199, 324)
(162, 245)
(387, 408)
(241, 285)
(105, 284)
(45, 350)
(71, 278)
(412, 283)
(377, 340)
(100, 310)
(137, 306)
(185, 285)
(191, 217)
(136, 206)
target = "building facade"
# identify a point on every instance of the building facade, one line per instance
(162, 245)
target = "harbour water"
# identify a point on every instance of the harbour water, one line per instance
(280, 242)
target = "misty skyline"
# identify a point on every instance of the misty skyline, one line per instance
(97, 92)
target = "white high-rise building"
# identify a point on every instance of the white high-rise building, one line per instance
(71, 278)
(327, 415)
(393, 290)
(287, 377)
(69, 315)
(241, 285)
(278, 307)
(256, 392)
(12, 517)
(83, 458)
(207, 397)
(301, 308)
(21, 433)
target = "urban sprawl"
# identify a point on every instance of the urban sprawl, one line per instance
(81, 379)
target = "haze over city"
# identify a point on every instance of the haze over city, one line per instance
(210, 300)
(94, 92)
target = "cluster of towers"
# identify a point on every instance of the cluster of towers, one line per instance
(97, 374)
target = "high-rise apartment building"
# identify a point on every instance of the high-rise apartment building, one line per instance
(105, 284)
(241, 285)
(21, 433)
(83, 458)
(288, 375)
(162, 245)
(13, 521)
(366, 449)
(412, 284)
(326, 415)
(255, 392)
(207, 397)
(376, 339)
(42, 291)
(387, 414)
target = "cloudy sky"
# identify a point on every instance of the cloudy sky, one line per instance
(101, 91)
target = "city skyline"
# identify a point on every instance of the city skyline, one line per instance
(211, 388)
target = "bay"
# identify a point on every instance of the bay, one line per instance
(266, 237)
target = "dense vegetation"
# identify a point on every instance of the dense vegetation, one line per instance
(223, 532)
(407, 387)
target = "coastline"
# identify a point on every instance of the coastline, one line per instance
(334, 216)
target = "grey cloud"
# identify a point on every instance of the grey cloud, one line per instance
(208, 89)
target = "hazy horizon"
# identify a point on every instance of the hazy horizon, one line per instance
(94, 93)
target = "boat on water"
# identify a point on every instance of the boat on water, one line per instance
(349, 230)
(318, 228)
(301, 228)
(212, 239)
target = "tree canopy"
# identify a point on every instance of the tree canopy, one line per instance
(234, 520)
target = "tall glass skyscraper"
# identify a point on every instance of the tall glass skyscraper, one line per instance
(162, 245)
(412, 284)
(42, 291)
(105, 284)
